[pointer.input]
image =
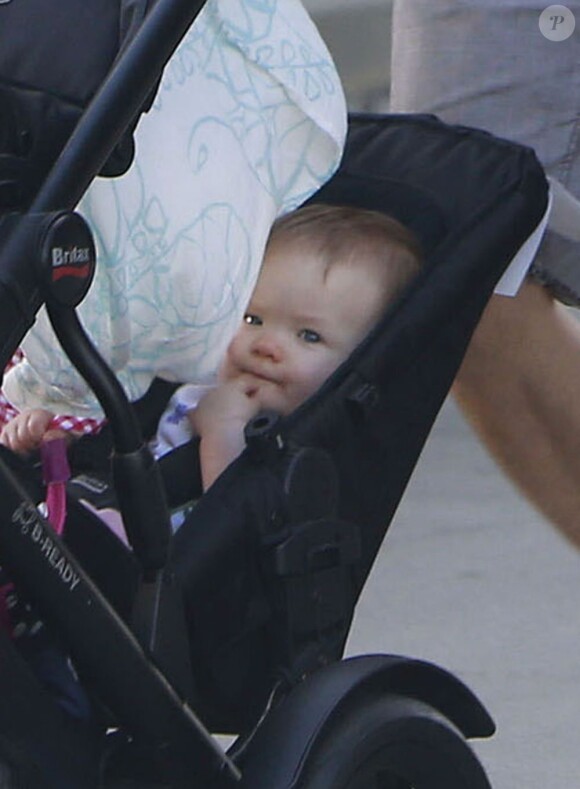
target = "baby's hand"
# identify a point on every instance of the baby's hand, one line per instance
(228, 407)
(28, 430)
(219, 420)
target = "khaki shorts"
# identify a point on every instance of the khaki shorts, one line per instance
(486, 63)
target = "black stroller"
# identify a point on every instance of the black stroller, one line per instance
(238, 623)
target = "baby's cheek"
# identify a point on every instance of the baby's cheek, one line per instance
(317, 375)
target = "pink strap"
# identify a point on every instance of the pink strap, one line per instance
(56, 506)
(55, 473)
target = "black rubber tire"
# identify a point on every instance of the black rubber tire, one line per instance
(392, 742)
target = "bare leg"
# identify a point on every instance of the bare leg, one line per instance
(519, 386)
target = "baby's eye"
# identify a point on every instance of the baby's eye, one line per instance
(309, 335)
(252, 320)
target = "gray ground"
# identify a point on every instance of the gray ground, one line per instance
(472, 579)
(470, 576)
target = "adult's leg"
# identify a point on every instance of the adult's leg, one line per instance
(518, 386)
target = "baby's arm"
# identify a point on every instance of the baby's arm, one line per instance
(219, 420)
(28, 430)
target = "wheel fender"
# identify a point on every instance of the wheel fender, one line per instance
(284, 740)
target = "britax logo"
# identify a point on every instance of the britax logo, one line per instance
(70, 262)
(68, 257)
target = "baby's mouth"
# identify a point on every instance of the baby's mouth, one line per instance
(261, 377)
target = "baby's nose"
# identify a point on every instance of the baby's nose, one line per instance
(268, 346)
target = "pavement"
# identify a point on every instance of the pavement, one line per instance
(473, 579)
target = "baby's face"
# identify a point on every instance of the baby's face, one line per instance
(299, 325)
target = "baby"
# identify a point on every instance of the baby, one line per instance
(328, 274)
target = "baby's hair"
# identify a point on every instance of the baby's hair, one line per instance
(349, 235)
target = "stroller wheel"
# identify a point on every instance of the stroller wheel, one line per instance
(392, 742)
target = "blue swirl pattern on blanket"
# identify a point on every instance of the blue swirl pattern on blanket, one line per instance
(249, 120)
